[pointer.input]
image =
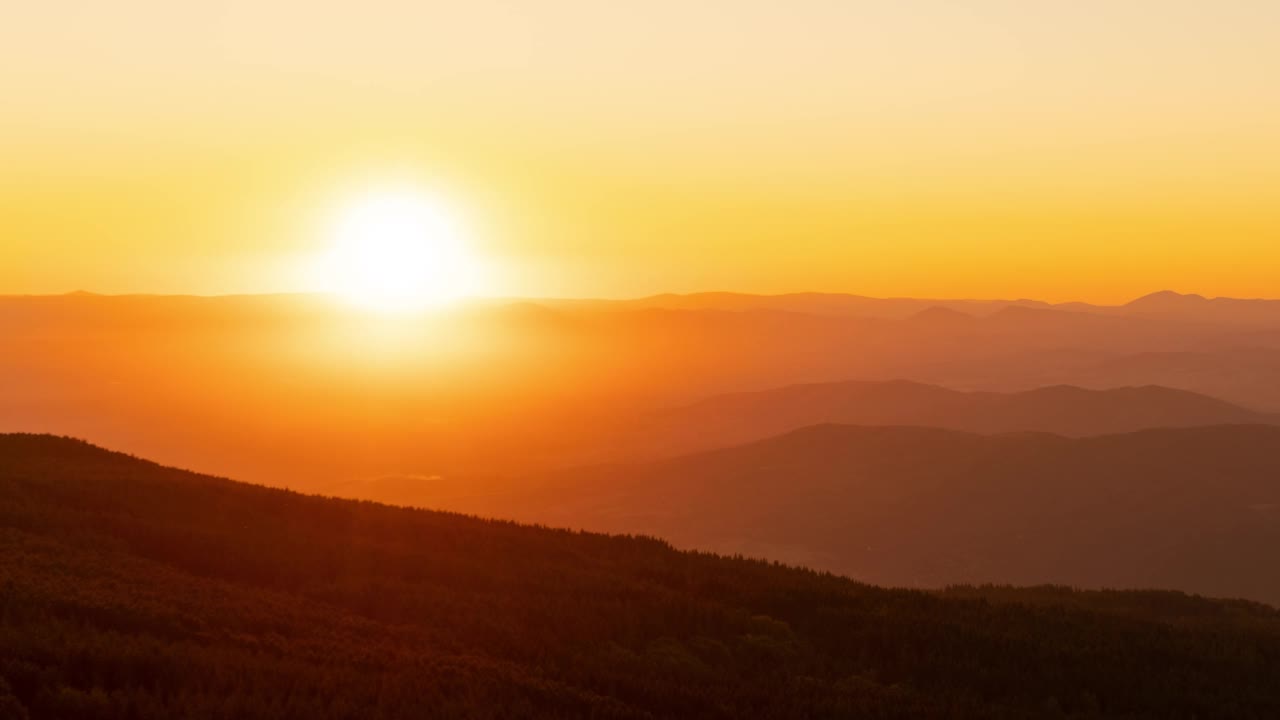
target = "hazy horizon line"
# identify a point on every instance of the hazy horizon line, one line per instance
(639, 298)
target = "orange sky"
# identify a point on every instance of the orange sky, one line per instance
(1089, 150)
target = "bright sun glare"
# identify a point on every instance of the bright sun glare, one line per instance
(398, 248)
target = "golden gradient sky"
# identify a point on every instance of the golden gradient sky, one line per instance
(1061, 150)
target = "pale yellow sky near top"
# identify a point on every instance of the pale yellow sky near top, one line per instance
(1062, 150)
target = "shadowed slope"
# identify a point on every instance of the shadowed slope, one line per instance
(1196, 509)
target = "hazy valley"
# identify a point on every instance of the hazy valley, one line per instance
(719, 422)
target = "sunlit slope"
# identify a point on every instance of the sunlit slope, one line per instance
(133, 590)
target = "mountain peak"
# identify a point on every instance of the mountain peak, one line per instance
(937, 314)
(1166, 298)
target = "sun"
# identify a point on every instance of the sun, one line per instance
(398, 248)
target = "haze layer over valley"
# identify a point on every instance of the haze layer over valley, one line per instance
(905, 442)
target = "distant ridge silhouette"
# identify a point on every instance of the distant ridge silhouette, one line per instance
(1165, 299)
(1191, 305)
(941, 316)
(502, 386)
(1067, 410)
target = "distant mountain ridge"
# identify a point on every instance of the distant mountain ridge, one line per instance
(496, 386)
(1190, 306)
(1065, 410)
(1198, 307)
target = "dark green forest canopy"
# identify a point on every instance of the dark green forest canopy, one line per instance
(130, 590)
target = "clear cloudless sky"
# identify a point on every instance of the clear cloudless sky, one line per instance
(1090, 149)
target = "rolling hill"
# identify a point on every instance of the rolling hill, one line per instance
(1064, 410)
(1196, 509)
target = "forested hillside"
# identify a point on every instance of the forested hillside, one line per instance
(130, 590)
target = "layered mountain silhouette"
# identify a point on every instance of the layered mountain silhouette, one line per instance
(509, 387)
(1165, 302)
(1065, 410)
(1196, 509)
(130, 590)
(806, 302)
(1198, 307)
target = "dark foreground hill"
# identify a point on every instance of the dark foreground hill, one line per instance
(129, 590)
